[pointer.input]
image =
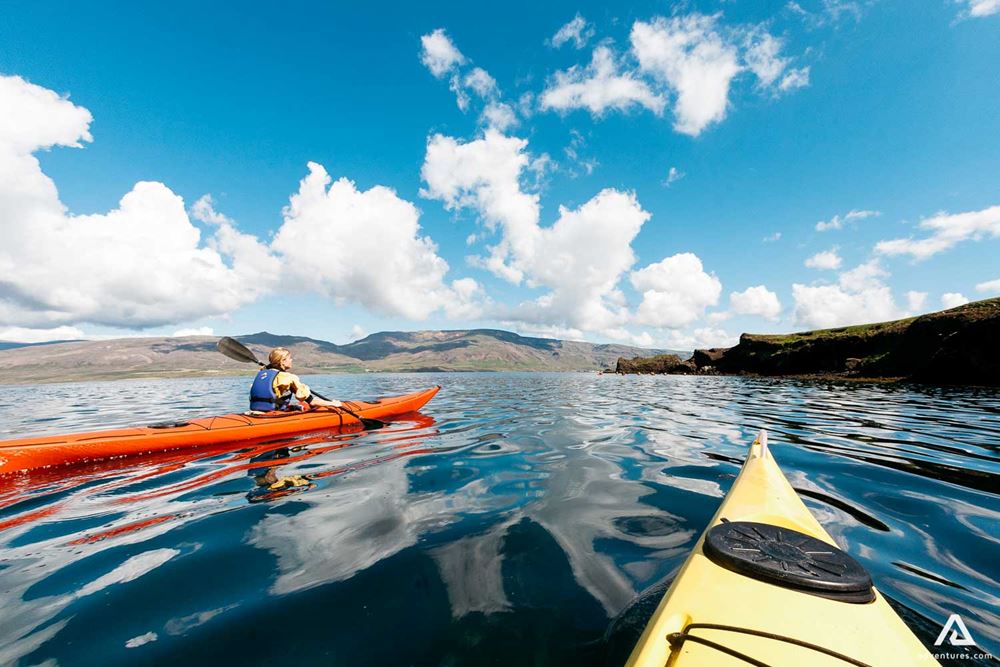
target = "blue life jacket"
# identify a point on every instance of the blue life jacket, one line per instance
(262, 396)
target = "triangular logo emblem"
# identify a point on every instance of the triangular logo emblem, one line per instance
(960, 635)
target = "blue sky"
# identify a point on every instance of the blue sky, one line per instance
(772, 119)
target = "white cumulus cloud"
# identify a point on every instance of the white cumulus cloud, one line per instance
(28, 335)
(830, 12)
(602, 85)
(574, 152)
(35, 118)
(826, 260)
(869, 275)
(989, 286)
(485, 174)
(443, 58)
(577, 31)
(953, 299)
(860, 296)
(363, 247)
(469, 301)
(544, 330)
(689, 55)
(757, 300)
(797, 77)
(838, 221)
(461, 95)
(763, 57)
(147, 264)
(979, 8)
(578, 260)
(498, 116)
(675, 291)
(439, 54)
(688, 61)
(480, 82)
(142, 264)
(702, 337)
(621, 334)
(673, 175)
(194, 331)
(946, 230)
(915, 301)
(581, 258)
(204, 210)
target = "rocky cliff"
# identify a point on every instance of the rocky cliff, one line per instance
(956, 346)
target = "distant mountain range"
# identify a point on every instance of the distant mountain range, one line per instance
(387, 351)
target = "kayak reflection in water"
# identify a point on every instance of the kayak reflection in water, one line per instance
(269, 485)
(274, 387)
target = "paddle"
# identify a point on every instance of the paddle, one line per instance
(237, 351)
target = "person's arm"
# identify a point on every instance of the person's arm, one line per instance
(303, 393)
(316, 401)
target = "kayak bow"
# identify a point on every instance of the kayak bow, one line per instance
(32, 453)
(766, 585)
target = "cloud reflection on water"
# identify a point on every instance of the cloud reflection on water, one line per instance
(523, 482)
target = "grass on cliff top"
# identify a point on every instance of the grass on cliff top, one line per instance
(977, 310)
(840, 332)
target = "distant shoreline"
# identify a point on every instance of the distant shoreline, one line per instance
(201, 375)
(179, 375)
(470, 350)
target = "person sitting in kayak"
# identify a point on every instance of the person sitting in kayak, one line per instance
(274, 387)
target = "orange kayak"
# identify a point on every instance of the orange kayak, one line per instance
(57, 450)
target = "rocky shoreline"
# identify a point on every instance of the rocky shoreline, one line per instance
(956, 346)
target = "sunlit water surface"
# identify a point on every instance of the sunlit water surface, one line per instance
(518, 521)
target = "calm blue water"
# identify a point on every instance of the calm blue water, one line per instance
(516, 522)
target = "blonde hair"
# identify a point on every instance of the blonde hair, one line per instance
(277, 356)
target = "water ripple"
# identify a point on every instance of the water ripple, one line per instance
(510, 523)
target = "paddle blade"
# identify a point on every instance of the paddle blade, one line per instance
(236, 350)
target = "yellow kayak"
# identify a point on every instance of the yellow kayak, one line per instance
(766, 585)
